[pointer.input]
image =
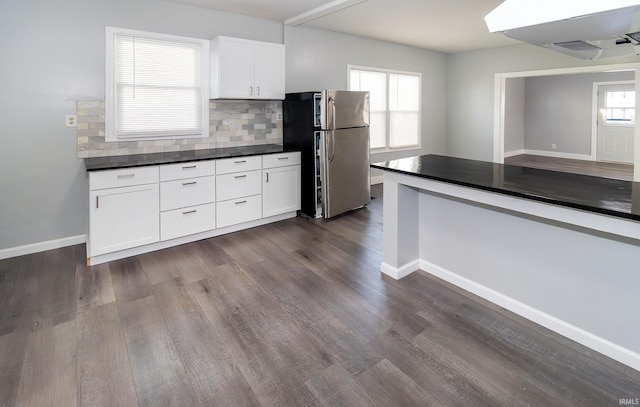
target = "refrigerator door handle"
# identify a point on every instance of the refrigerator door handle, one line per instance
(330, 143)
(333, 112)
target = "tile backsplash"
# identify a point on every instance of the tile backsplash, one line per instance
(232, 123)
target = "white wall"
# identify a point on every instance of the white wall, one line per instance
(318, 59)
(52, 54)
(559, 110)
(471, 91)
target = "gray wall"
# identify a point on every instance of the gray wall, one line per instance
(53, 54)
(318, 59)
(514, 115)
(558, 110)
(471, 91)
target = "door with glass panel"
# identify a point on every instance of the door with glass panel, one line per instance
(616, 122)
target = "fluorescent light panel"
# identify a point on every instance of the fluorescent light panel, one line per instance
(321, 11)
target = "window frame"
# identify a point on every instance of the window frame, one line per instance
(388, 148)
(110, 83)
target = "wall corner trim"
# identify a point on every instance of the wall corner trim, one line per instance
(41, 246)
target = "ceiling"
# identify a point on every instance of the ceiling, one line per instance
(440, 25)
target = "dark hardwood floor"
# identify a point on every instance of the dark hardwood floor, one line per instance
(289, 314)
(584, 167)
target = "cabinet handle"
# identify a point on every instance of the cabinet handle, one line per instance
(189, 167)
(188, 212)
(251, 90)
(126, 176)
(240, 202)
(283, 158)
(240, 176)
(184, 184)
(258, 90)
(267, 176)
(240, 162)
(97, 201)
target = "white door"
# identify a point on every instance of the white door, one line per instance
(121, 218)
(236, 69)
(616, 122)
(269, 71)
(280, 190)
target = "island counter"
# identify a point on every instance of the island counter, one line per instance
(560, 249)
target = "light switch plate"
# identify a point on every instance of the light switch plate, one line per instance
(71, 120)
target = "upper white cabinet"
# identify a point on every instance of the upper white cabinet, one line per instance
(245, 69)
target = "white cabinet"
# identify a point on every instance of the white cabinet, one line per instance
(141, 209)
(122, 217)
(187, 199)
(280, 184)
(245, 69)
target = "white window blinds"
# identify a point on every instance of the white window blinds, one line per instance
(395, 106)
(157, 88)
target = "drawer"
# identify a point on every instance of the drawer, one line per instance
(187, 192)
(238, 210)
(186, 170)
(232, 186)
(280, 160)
(124, 177)
(239, 164)
(187, 221)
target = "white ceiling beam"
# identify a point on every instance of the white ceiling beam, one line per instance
(321, 11)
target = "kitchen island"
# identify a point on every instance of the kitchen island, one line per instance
(560, 249)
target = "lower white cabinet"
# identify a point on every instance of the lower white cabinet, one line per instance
(141, 209)
(280, 190)
(121, 218)
(239, 210)
(187, 221)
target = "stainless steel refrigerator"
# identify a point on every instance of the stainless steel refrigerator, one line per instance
(331, 129)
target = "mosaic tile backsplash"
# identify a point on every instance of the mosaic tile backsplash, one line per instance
(232, 123)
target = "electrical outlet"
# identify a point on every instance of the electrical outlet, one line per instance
(278, 116)
(553, 146)
(71, 120)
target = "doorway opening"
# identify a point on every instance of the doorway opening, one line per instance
(536, 116)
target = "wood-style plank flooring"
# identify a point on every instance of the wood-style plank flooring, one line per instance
(289, 314)
(593, 168)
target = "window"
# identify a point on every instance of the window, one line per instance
(157, 86)
(620, 107)
(395, 106)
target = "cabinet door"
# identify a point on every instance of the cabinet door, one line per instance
(269, 71)
(280, 190)
(121, 218)
(236, 69)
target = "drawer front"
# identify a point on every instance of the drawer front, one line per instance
(239, 164)
(124, 177)
(186, 170)
(237, 185)
(238, 211)
(187, 221)
(280, 160)
(187, 192)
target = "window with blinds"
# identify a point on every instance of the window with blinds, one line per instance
(394, 105)
(157, 86)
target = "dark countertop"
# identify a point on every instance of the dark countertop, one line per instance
(139, 160)
(595, 194)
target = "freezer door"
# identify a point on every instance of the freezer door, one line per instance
(346, 182)
(344, 109)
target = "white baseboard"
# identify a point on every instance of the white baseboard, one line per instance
(610, 349)
(377, 180)
(555, 154)
(401, 271)
(42, 246)
(513, 153)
